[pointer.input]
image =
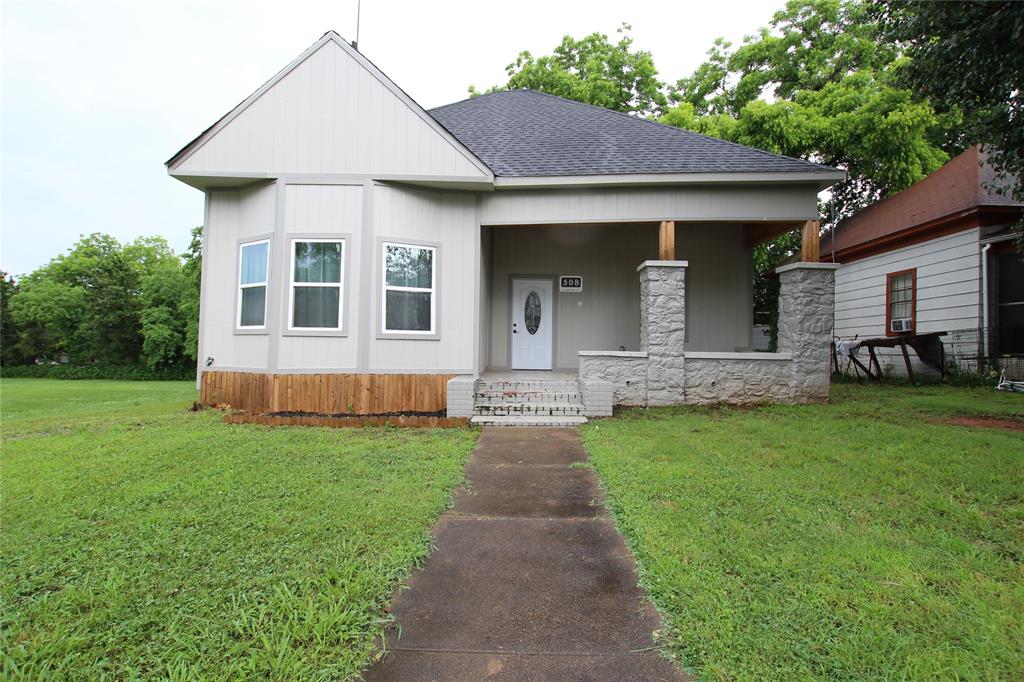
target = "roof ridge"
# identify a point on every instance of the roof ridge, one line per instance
(481, 95)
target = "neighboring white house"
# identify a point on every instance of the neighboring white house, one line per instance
(365, 256)
(939, 256)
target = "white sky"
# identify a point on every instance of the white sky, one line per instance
(97, 95)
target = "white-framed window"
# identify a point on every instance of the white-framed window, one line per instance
(253, 270)
(316, 292)
(409, 300)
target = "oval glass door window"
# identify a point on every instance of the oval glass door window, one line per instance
(531, 313)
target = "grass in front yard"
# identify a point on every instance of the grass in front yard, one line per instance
(864, 539)
(142, 540)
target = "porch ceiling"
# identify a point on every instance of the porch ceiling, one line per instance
(758, 233)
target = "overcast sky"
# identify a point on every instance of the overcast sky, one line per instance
(97, 95)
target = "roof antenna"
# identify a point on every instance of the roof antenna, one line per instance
(359, 7)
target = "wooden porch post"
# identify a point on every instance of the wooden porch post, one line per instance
(810, 251)
(667, 240)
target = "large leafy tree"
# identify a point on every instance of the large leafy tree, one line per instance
(110, 302)
(819, 83)
(593, 70)
(968, 57)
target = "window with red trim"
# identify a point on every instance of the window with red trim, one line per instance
(901, 302)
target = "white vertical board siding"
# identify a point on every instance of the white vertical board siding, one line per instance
(743, 203)
(327, 210)
(233, 216)
(948, 286)
(719, 289)
(606, 315)
(448, 220)
(329, 115)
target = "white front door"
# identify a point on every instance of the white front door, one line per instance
(532, 323)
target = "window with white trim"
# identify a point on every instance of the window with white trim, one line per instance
(409, 301)
(316, 296)
(253, 268)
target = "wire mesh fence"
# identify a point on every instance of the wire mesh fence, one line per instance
(977, 351)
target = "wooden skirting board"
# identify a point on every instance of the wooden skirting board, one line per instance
(327, 394)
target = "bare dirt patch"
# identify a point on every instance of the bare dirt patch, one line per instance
(987, 423)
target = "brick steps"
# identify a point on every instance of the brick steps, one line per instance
(513, 409)
(494, 398)
(528, 403)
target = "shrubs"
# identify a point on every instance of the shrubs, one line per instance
(99, 370)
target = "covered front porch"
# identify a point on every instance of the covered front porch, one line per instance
(622, 309)
(587, 290)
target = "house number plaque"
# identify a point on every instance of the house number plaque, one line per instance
(570, 284)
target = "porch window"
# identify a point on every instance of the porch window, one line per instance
(900, 302)
(254, 258)
(409, 292)
(316, 284)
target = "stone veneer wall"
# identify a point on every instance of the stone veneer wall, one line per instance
(799, 372)
(663, 329)
(626, 371)
(807, 295)
(741, 380)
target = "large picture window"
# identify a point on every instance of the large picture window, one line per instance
(409, 294)
(900, 302)
(254, 259)
(316, 284)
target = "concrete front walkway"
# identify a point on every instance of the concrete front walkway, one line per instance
(530, 579)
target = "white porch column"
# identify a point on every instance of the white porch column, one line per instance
(806, 318)
(663, 329)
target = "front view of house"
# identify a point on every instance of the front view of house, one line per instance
(365, 256)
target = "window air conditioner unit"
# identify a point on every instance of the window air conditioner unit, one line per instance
(902, 324)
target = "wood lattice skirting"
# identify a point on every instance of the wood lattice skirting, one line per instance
(328, 394)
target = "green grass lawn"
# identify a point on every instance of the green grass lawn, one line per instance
(143, 540)
(859, 540)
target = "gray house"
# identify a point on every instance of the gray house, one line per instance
(515, 256)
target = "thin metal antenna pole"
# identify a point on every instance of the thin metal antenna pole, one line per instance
(359, 11)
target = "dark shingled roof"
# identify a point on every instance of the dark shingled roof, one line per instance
(528, 133)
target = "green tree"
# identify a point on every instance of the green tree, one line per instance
(163, 329)
(967, 57)
(9, 350)
(592, 70)
(188, 307)
(46, 314)
(111, 331)
(819, 83)
(120, 304)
